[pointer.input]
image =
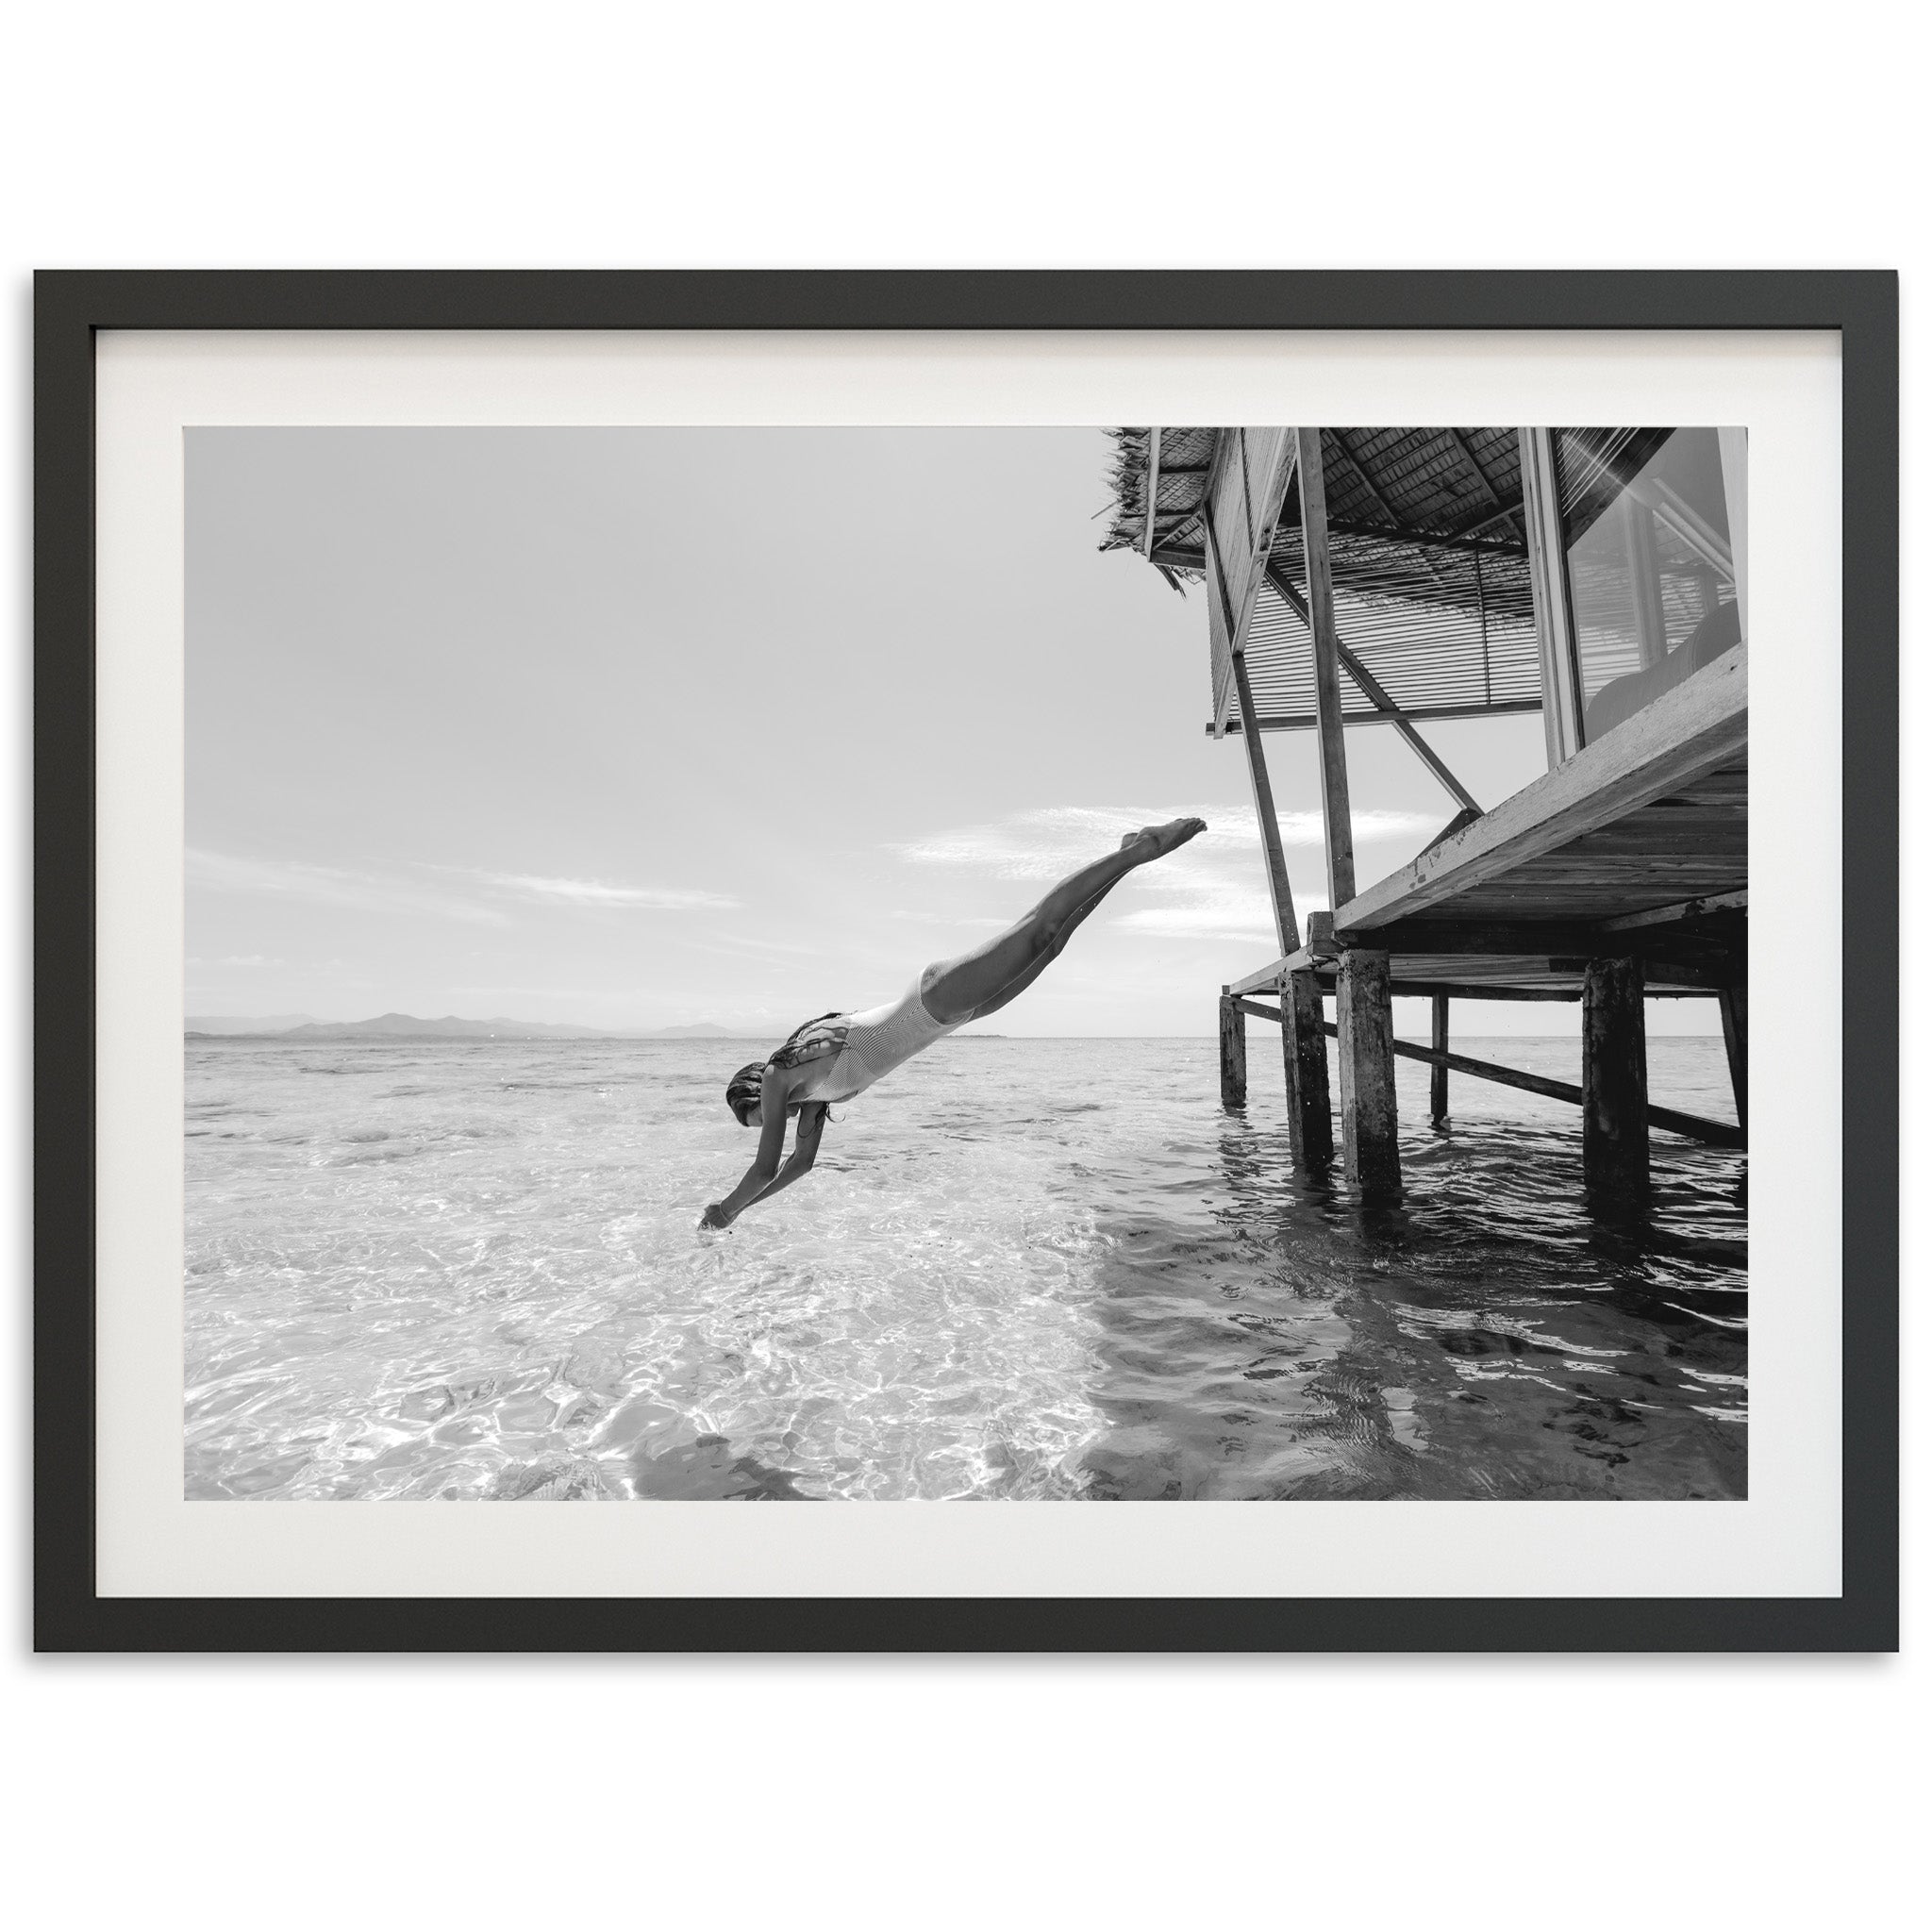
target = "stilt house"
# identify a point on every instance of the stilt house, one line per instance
(1386, 577)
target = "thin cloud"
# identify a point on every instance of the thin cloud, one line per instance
(334, 885)
(949, 919)
(1221, 907)
(1213, 887)
(566, 891)
(1206, 919)
(1051, 842)
(328, 885)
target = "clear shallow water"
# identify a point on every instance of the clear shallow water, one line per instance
(1043, 1269)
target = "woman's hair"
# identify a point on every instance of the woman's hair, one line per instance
(743, 1093)
(747, 1086)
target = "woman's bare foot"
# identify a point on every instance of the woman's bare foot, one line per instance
(1159, 841)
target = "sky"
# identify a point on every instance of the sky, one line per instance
(640, 728)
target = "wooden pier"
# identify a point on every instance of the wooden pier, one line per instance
(1385, 577)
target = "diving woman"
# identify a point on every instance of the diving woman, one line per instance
(838, 1056)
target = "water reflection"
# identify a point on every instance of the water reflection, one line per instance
(1487, 1335)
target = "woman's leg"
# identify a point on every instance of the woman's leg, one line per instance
(982, 980)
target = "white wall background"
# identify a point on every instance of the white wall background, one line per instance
(720, 1793)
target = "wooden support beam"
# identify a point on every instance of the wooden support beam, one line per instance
(1260, 1009)
(1692, 1126)
(1234, 1053)
(1392, 712)
(1307, 720)
(1305, 1070)
(1339, 835)
(1415, 714)
(1714, 905)
(1462, 819)
(1280, 893)
(1371, 689)
(1366, 1037)
(1153, 491)
(1616, 1086)
(1268, 978)
(1731, 1010)
(1439, 1071)
(1478, 989)
(1707, 984)
(1475, 989)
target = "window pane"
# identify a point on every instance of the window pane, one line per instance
(1647, 542)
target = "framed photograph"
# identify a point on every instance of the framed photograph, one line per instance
(904, 890)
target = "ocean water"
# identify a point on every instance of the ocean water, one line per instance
(1040, 1268)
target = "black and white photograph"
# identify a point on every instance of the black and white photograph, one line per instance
(1067, 964)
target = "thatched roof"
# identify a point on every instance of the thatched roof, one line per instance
(1448, 485)
(1430, 563)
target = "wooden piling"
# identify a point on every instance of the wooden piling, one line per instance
(1365, 1034)
(1305, 1061)
(1730, 1009)
(1234, 1052)
(1439, 1076)
(1616, 1083)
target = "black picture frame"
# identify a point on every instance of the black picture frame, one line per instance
(72, 308)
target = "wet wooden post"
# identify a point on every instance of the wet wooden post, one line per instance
(1305, 1064)
(1730, 1009)
(1365, 1025)
(1438, 1077)
(1616, 1082)
(1365, 1033)
(1234, 1051)
(1304, 1045)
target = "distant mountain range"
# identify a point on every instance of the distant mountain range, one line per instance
(408, 1026)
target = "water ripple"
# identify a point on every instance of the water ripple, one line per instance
(1040, 1268)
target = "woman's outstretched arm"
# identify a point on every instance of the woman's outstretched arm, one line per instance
(764, 1175)
(805, 1150)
